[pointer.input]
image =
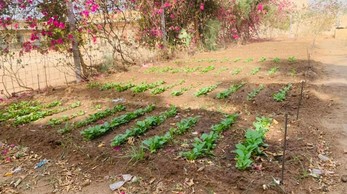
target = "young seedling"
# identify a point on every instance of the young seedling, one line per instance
(248, 60)
(226, 93)
(254, 93)
(254, 139)
(262, 59)
(273, 70)
(179, 92)
(291, 59)
(237, 59)
(255, 70)
(276, 60)
(281, 95)
(236, 71)
(207, 69)
(204, 91)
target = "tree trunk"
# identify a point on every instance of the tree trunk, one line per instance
(75, 51)
(163, 27)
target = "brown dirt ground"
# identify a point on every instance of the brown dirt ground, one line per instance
(82, 166)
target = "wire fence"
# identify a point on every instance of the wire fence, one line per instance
(37, 70)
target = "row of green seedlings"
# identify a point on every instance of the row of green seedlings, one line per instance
(153, 144)
(173, 70)
(143, 126)
(102, 129)
(92, 118)
(162, 89)
(120, 87)
(204, 145)
(34, 116)
(168, 69)
(22, 108)
(279, 96)
(253, 143)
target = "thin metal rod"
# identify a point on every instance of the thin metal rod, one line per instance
(284, 145)
(300, 99)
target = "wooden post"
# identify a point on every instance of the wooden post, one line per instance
(284, 145)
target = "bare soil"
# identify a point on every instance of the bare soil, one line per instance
(80, 166)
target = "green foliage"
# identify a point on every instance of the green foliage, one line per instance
(254, 139)
(99, 130)
(205, 90)
(137, 153)
(248, 60)
(119, 87)
(262, 59)
(273, 70)
(211, 32)
(276, 60)
(255, 70)
(162, 89)
(207, 69)
(281, 95)
(157, 142)
(179, 92)
(237, 59)
(292, 59)
(33, 116)
(20, 109)
(53, 104)
(142, 126)
(226, 93)
(204, 145)
(100, 115)
(58, 121)
(236, 71)
(92, 85)
(185, 37)
(254, 93)
(145, 86)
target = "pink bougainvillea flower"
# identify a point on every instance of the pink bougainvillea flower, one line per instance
(202, 6)
(235, 36)
(260, 7)
(16, 26)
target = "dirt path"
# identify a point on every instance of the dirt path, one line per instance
(333, 87)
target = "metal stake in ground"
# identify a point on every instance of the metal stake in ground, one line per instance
(300, 99)
(284, 145)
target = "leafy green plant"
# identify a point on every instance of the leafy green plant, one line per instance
(179, 92)
(291, 59)
(33, 116)
(237, 59)
(276, 60)
(154, 143)
(262, 59)
(232, 89)
(142, 126)
(254, 92)
(293, 72)
(236, 71)
(273, 70)
(162, 89)
(100, 130)
(204, 145)
(100, 115)
(248, 60)
(67, 128)
(145, 86)
(207, 69)
(190, 69)
(281, 95)
(58, 121)
(254, 139)
(255, 70)
(205, 90)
